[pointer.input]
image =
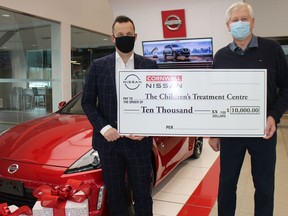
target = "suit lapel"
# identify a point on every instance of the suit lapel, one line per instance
(137, 62)
(111, 66)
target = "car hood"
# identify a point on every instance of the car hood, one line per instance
(56, 140)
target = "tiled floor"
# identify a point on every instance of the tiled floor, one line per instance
(171, 194)
(185, 193)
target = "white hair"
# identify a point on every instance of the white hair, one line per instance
(236, 6)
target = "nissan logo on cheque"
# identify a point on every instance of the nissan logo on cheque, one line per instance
(132, 81)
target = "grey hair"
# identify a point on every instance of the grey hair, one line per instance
(236, 6)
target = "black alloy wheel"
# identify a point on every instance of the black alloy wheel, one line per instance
(198, 147)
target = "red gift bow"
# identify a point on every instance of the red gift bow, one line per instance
(5, 211)
(56, 197)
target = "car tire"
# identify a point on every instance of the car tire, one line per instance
(174, 54)
(165, 58)
(197, 147)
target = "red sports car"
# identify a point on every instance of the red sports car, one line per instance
(52, 149)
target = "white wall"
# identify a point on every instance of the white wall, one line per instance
(203, 18)
(90, 14)
(271, 17)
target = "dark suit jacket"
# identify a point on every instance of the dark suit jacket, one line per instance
(99, 99)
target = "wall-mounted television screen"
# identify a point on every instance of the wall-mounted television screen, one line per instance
(180, 53)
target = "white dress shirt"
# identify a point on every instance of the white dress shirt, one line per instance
(119, 65)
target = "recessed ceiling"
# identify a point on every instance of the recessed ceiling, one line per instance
(19, 31)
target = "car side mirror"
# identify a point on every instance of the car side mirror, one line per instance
(61, 104)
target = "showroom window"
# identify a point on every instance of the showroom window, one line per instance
(25, 67)
(30, 64)
(85, 46)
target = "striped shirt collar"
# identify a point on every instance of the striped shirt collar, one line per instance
(252, 44)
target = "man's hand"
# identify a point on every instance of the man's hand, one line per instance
(214, 144)
(111, 135)
(270, 127)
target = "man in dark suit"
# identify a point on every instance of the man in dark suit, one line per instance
(118, 155)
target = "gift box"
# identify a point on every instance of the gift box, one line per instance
(70, 199)
(71, 209)
(13, 210)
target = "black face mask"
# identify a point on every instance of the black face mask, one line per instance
(125, 43)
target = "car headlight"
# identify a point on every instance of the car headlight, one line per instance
(89, 161)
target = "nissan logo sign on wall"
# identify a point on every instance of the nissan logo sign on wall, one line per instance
(173, 23)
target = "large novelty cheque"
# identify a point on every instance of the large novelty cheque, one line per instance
(192, 102)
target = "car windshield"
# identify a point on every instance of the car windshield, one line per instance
(73, 106)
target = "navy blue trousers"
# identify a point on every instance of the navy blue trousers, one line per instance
(263, 160)
(133, 158)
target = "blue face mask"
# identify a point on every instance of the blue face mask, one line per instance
(240, 30)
